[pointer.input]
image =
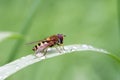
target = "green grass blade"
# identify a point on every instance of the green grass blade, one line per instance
(9, 35)
(11, 68)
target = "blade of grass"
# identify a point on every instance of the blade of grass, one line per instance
(26, 27)
(9, 35)
(11, 68)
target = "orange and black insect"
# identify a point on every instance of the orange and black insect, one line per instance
(51, 41)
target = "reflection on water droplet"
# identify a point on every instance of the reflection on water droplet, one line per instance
(85, 46)
(17, 67)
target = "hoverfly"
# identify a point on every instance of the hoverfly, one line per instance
(50, 41)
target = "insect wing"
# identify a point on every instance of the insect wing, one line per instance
(42, 48)
(33, 42)
(37, 41)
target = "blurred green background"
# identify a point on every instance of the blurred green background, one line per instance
(93, 22)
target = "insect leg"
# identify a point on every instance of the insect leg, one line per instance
(57, 49)
(45, 52)
(61, 46)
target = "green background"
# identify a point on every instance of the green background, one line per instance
(93, 22)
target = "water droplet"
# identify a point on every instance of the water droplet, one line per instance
(85, 46)
(17, 67)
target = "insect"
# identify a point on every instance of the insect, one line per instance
(43, 45)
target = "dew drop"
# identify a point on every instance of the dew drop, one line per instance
(85, 46)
